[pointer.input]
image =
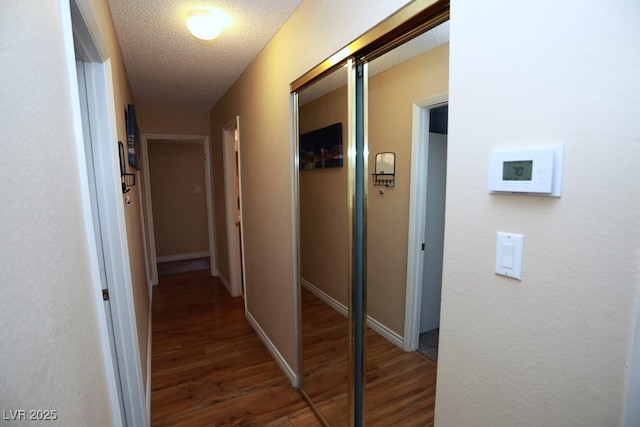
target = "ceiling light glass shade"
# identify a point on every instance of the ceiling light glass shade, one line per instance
(207, 24)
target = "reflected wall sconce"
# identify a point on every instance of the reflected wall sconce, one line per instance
(207, 24)
(385, 171)
(128, 179)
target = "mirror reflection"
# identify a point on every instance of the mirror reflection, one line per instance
(400, 382)
(406, 84)
(324, 243)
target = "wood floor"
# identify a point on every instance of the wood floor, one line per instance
(400, 387)
(209, 368)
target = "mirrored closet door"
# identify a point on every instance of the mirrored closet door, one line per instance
(412, 78)
(324, 245)
(364, 147)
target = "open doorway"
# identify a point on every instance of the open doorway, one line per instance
(179, 207)
(434, 233)
(426, 225)
(233, 203)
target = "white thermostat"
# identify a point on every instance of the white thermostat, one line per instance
(536, 171)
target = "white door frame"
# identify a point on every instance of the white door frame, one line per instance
(79, 17)
(235, 247)
(417, 215)
(81, 61)
(151, 243)
(631, 409)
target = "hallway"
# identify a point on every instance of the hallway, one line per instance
(209, 368)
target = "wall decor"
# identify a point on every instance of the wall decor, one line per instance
(385, 172)
(127, 179)
(133, 137)
(321, 148)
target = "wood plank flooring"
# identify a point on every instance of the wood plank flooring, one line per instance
(325, 367)
(400, 386)
(209, 368)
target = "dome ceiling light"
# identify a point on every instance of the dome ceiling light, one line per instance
(206, 24)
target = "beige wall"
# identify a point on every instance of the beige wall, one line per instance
(549, 350)
(51, 345)
(323, 194)
(261, 98)
(324, 215)
(179, 212)
(155, 119)
(553, 348)
(391, 97)
(140, 283)
(174, 121)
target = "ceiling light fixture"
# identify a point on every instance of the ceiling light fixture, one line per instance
(206, 24)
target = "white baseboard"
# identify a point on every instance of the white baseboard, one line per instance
(293, 377)
(225, 282)
(380, 328)
(385, 332)
(182, 257)
(326, 298)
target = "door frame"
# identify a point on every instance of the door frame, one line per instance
(235, 244)
(95, 209)
(418, 215)
(79, 17)
(151, 239)
(631, 410)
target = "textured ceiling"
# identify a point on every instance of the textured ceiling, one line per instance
(167, 66)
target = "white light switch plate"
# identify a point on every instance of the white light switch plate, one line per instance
(509, 249)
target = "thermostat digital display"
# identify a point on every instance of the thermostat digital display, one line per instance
(517, 170)
(532, 170)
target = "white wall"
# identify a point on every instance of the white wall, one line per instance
(552, 349)
(50, 349)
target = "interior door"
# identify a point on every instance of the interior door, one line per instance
(95, 210)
